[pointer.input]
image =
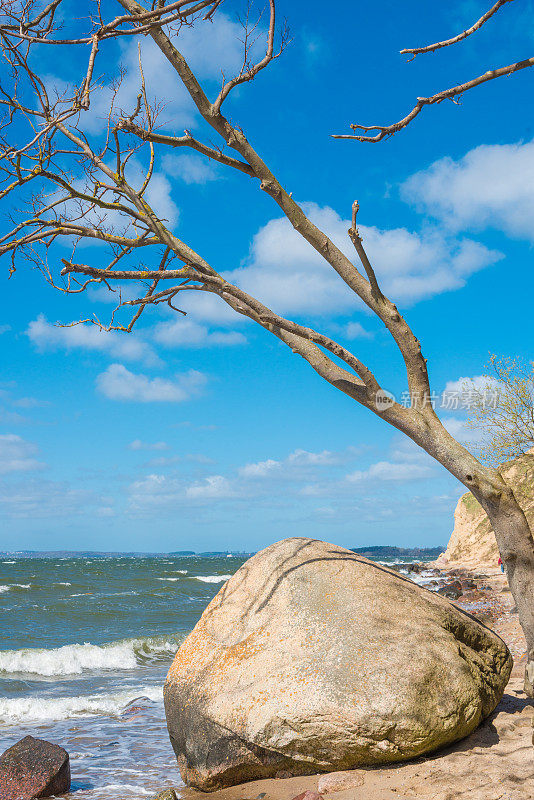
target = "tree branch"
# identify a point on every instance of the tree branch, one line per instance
(438, 45)
(385, 131)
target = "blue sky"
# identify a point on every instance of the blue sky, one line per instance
(203, 432)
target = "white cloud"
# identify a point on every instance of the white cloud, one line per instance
(491, 186)
(46, 336)
(155, 491)
(286, 273)
(4, 328)
(461, 394)
(137, 444)
(190, 169)
(458, 428)
(39, 499)
(354, 330)
(325, 457)
(16, 454)
(389, 471)
(260, 469)
(159, 191)
(182, 332)
(297, 464)
(477, 383)
(215, 486)
(168, 492)
(118, 383)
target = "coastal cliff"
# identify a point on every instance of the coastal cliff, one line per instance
(472, 541)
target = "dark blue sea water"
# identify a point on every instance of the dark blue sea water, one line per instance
(85, 644)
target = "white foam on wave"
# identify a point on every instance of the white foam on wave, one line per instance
(63, 583)
(212, 578)
(6, 588)
(9, 562)
(37, 708)
(168, 579)
(74, 659)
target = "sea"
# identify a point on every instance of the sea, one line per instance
(85, 645)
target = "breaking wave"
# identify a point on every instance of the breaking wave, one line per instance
(74, 659)
(212, 578)
(35, 708)
(6, 588)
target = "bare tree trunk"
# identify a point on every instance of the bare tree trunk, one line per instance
(510, 525)
(516, 546)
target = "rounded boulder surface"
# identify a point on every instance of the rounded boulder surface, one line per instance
(313, 659)
(34, 768)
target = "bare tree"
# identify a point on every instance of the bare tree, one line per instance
(502, 409)
(73, 185)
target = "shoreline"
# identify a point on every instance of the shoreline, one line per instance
(496, 762)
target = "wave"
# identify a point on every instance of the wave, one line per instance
(6, 588)
(63, 583)
(74, 659)
(9, 562)
(212, 578)
(168, 579)
(37, 708)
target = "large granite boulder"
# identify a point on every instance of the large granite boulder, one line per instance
(314, 659)
(34, 768)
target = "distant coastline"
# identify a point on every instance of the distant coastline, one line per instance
(375, 552)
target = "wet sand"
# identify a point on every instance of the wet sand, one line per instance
(496, 762)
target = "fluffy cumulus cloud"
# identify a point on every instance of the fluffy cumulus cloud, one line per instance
(138, 444)
(189, 168)
(458, 428)
(286, 273)
(297, 465)
(17, 454)
(477, 383)
(492, 186)
(390, 471)
(186, 332)
(118, 383)
(167, 492)
(46, 336)
(463, 394)
(214, 486)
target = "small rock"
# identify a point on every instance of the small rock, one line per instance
(451, 590)
(34, 768)
(338, 781)
(166, 794)
(308, 795)
(283, 774)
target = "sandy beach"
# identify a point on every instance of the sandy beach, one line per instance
(495, 763)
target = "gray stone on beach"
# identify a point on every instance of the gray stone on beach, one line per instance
(313, 659)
